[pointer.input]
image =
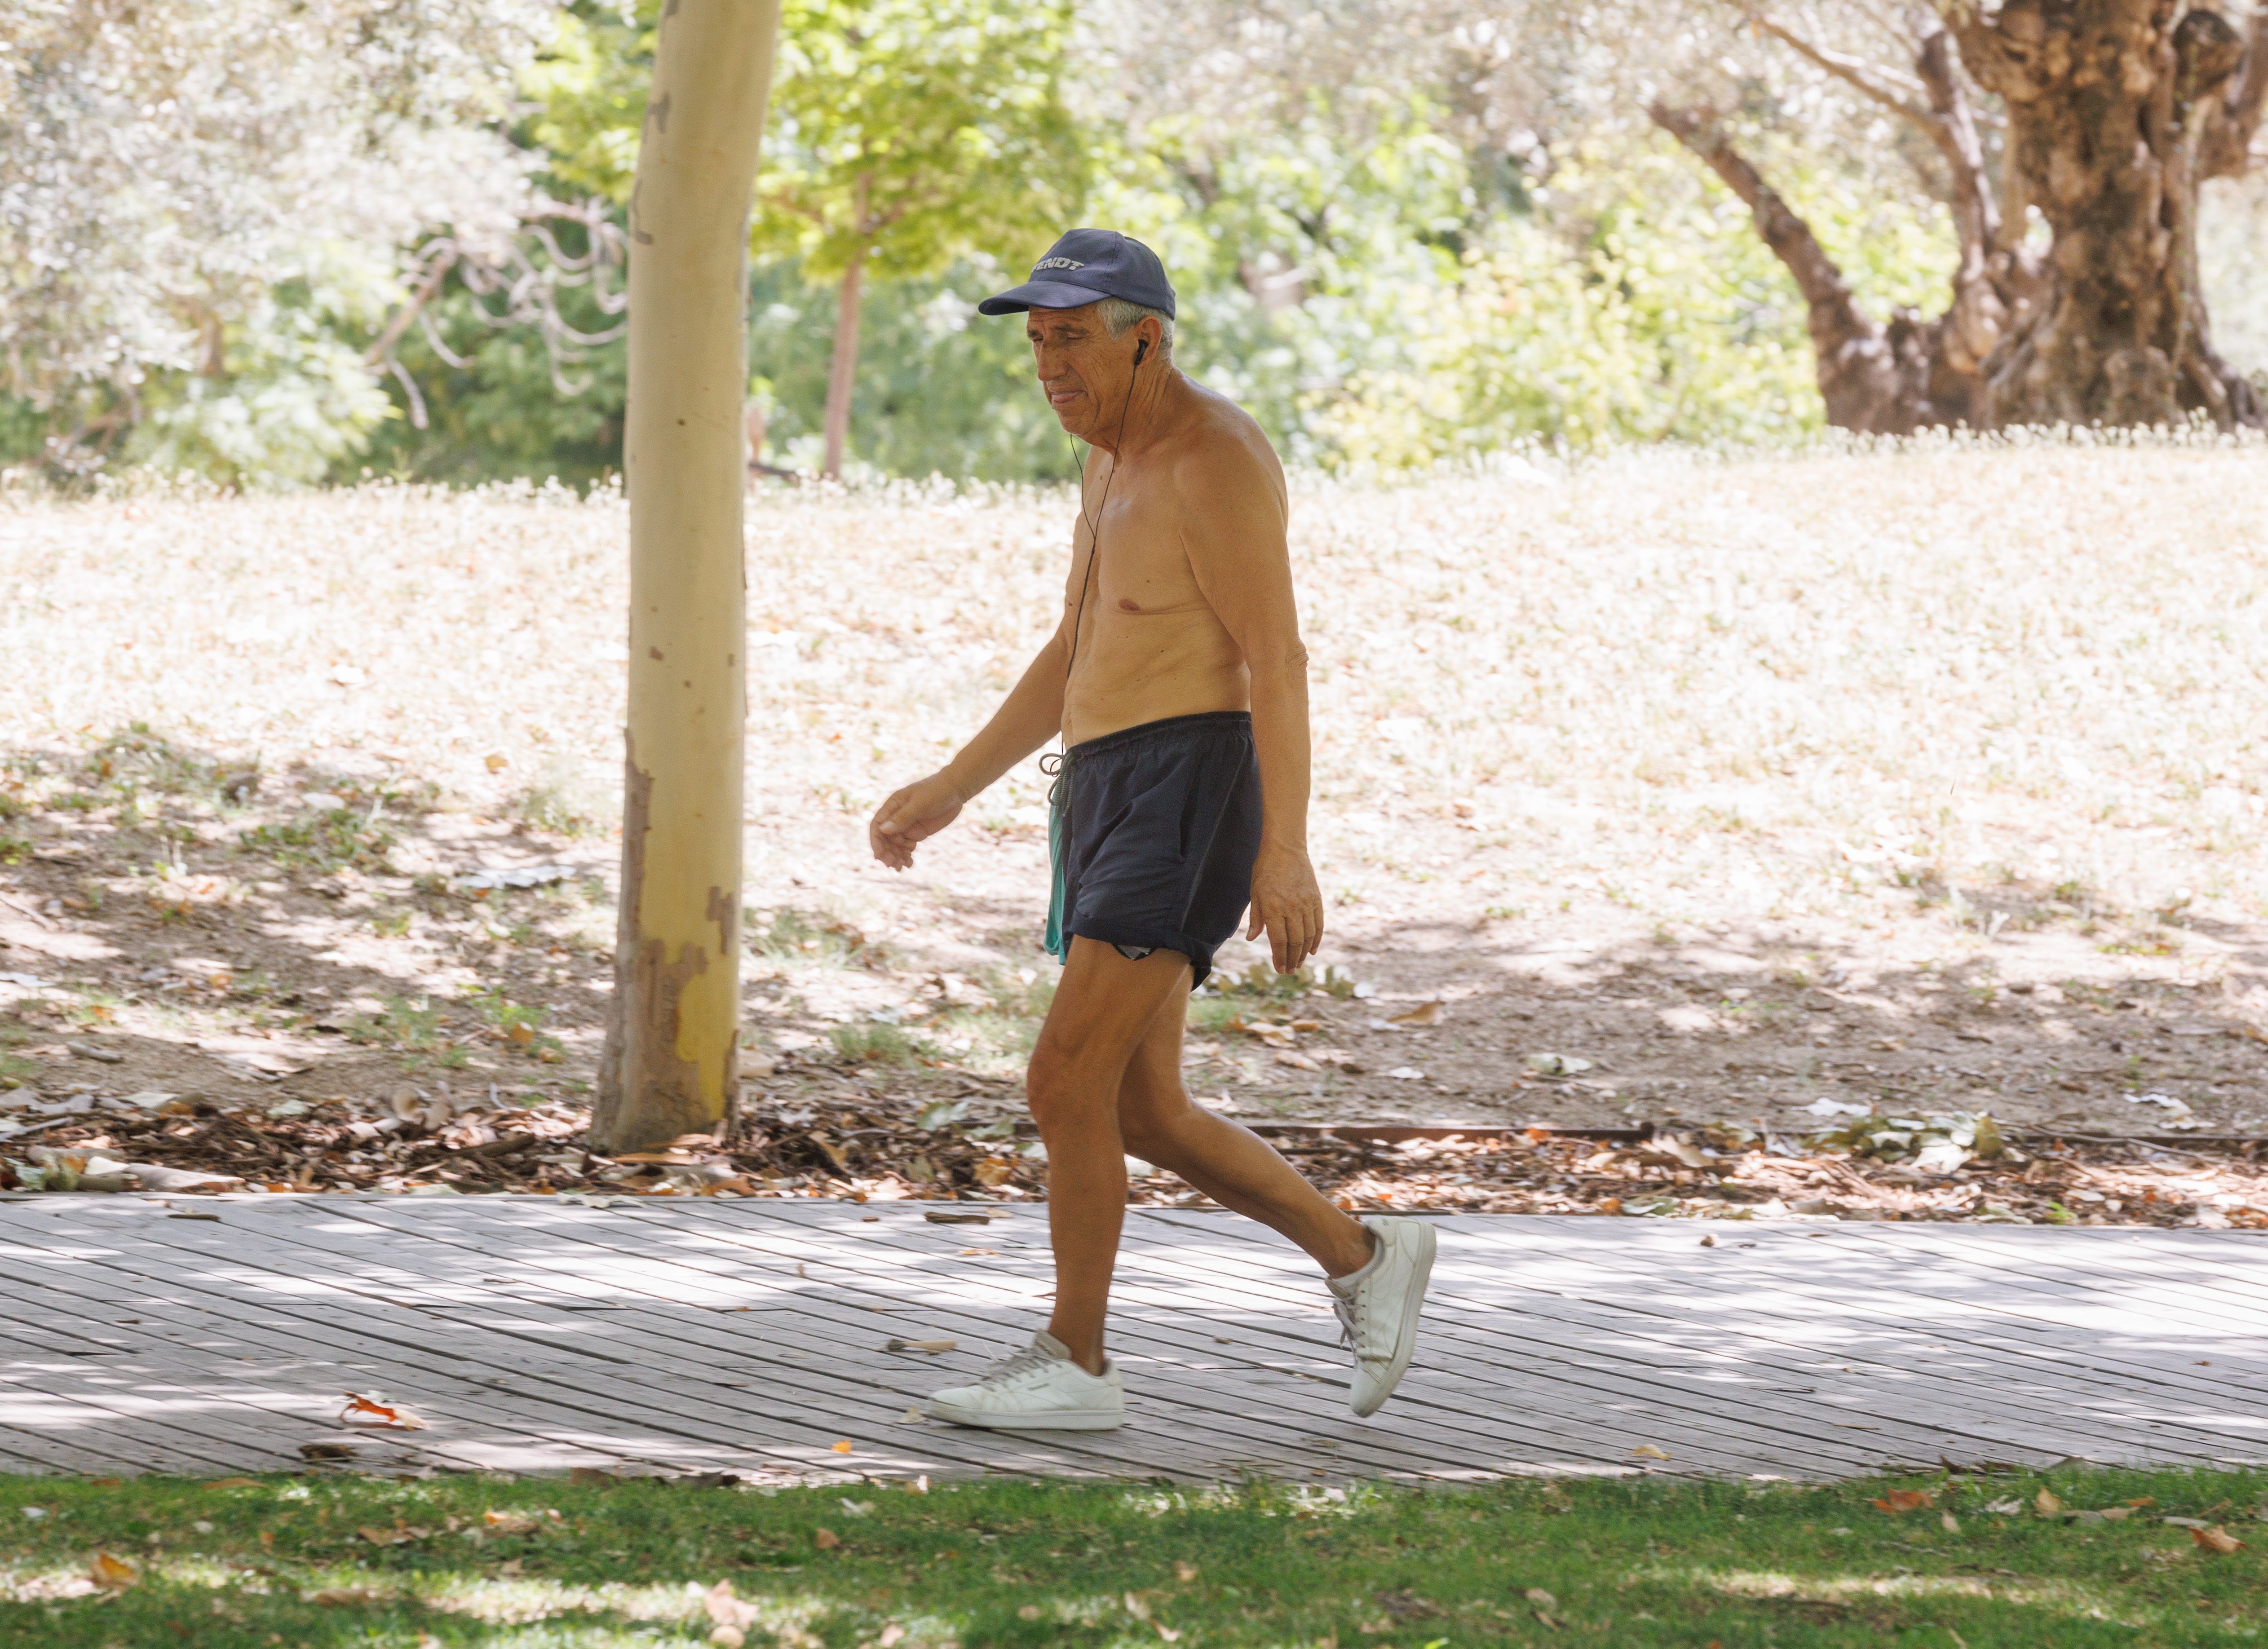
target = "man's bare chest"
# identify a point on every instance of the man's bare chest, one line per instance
(1141, 566)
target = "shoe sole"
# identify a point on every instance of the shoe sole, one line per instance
(1053, 1420)
(1405, 1338)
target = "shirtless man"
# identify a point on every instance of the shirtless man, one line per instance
(1179, 684)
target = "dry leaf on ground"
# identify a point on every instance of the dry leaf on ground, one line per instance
(1648, 1451)
(517, 1522)
(1901, 1500)
(840, 1446)
(2216, 1540)
(1424, 1014)
(345, 1596)
(2045, 1503)
(725, 1610)
(373, 1410)
(825, 1539)
(113, 1574)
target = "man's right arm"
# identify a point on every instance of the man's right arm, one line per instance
(1030, 715)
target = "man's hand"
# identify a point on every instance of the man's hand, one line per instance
(913, 815)
(1286, 902)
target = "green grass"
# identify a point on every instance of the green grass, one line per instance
(1651, 1561)
(335, 840)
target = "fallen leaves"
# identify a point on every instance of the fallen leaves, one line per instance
(729, 1617)
(1648, 1451)
(111, 1574)
(840, 1446)
(1556, 1065)
(373, 1410)
(1424, 1016)
(931, 1346)
(1899, 1501)
(517, 1522)
(2216, 1540)
(400, 1534)
(826, 1539)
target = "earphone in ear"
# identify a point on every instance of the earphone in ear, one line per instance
(1141, 349)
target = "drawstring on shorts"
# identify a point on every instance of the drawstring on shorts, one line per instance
(1057, 764)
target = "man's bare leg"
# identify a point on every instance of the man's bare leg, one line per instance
(1231, 1165)
(1102, 1009)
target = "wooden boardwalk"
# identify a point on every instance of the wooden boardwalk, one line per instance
(216, 1334)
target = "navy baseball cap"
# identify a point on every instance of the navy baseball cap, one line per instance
(1084, 267)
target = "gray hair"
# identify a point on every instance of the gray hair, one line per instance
(1118, 313)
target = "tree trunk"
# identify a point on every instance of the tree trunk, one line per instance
(670, 1064)
(1871, 379)
(842, 370)
(2109, 107)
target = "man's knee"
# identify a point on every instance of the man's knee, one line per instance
(1153, 1117)
(1063, 1090)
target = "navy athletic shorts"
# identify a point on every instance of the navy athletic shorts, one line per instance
(1154, 829)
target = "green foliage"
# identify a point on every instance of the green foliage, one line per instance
(589, 87)
(905, 133)
(1379, 305)
(294, 399)
(872, 1042)
(336, 838)
(940, 390)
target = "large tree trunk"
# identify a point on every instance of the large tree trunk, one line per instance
(2116, 111)
(842, 370)
(670, 1065)
(1871, 377)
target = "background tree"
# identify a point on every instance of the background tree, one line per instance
(2070, 140)
(671, 1062)
(207, 212)
(908, 132)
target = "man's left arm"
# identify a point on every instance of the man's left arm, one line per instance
(1233, 511)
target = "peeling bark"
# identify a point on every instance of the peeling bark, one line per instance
(670, 1065)
(649, 1093)
(2117, 110)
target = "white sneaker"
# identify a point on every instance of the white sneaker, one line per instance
(1377, 1308)
(1038, 1389)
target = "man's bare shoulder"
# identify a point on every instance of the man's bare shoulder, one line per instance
(1218, 446)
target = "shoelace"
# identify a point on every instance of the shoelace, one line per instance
(1024, 1362)
(1344, 1309)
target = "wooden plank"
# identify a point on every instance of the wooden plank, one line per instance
(1684, 1326)
(1170, 1349)
(243, 1442)
(1578, 1335)
(709, 1339)
(375, 1330)
(1461, 1426)
(2009, 1326)
(1146, 1433)
(2224, 1293)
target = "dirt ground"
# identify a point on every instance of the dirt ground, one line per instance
(1591, 862)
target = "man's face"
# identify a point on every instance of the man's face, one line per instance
(1084, 370)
